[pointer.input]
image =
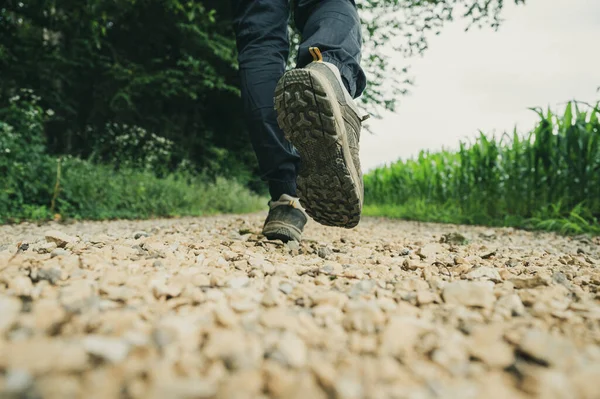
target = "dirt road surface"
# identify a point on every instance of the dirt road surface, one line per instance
(205, 307)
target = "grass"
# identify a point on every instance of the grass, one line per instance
(548, 179)
(35, 185)
(83, 190)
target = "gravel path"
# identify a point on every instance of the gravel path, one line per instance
(205, 307)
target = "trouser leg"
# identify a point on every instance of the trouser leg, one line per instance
(334, 27)
(261, 28)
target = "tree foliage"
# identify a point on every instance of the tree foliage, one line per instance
(404, 26)
(113, 75)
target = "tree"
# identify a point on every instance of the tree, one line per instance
(404, 26)
(109, 71)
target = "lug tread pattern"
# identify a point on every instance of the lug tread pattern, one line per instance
(306, 114)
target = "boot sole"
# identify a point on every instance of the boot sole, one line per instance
(311, 118)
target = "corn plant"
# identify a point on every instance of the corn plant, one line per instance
(547, 179)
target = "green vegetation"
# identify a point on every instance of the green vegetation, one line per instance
(139, 101)
(37, 186)
(169, 67)
(548, 179)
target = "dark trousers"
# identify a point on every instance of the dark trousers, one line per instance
(261, 28)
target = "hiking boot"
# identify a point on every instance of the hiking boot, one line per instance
(319, 117)
(286, 219)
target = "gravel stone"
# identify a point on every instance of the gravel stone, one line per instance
(50, 274)
(324, 252)
(484, 273)
(59, 238)
(207, 307)
(139, 234)
(110, 349)
(478, 294)
(59, 252)
(9, 312)
(548, 349)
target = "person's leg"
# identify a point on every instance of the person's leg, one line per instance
(317, 112)
(334, 27)
(261, 28)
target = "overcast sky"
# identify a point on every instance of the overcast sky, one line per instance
(546, 53)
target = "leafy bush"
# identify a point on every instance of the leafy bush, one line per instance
(551, 174)
(89, 191)
(25, 176)
(35, 185)
(134, 147)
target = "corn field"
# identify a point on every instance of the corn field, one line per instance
(548, 179)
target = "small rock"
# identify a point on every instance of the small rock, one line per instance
(201, 259)
(363, 287)
(487, 344)
(548, 349)
(452, 355)
(110, 349)
(286, 288)
(293, 245)
(225, 316)
(182, 388)
(99, 239)
(531, 282)
(238, 282)
(324, 252)
(59, 238)
(489, 255)
(477, 293)
(20, 286)
(78, 295)
(488, 234)
(454, 239)
(425, 297)
(510, 305)
(17, 382)
(172, 289)
(140, 234)
(267, 268)
(459, 260)
(181, 330)
(51, 275)
(412, 284)
(401, 335)
(545, 383)
(242, 303)
(44, 355)
(48, 314)
(429, 251)
(240, 264)
(484, 273)
(585, 382)
(271, 297)
(353, 272)
(363, 316)
(234, 348)
(291, 350)
(9, 312)
(46, 247)
(332, 269)
(243, 384)
(560, 278)
(349, 388)
(59, 252)
(157, 264)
